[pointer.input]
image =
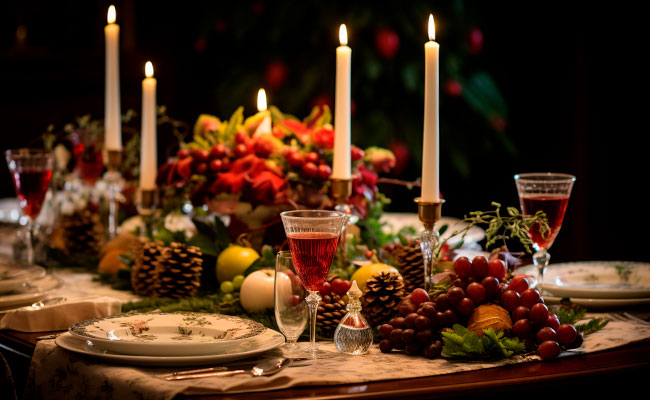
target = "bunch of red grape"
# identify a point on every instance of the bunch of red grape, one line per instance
(416, 329)
(478, 281)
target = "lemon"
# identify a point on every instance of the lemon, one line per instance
(368, 271)
(233, 261)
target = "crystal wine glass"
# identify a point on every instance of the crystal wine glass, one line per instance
(547, 192)
(313, 236)
(31, 170)
(290, 304)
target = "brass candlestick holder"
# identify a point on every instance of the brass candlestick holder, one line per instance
(114, 183)
(341, 191)
(429, 212)
(146, 209)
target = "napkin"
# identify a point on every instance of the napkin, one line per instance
(59, 316)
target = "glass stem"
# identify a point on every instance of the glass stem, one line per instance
(428, 243)
(30, 241)
(312, 301)
(113, 179)
(541, 259)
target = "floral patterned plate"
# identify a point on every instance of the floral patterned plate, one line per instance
(167, 334)
(265, 341)
(597, 279)
(13, 278)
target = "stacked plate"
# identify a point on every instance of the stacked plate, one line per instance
(169, 339)
(596, 284)
(20, 286)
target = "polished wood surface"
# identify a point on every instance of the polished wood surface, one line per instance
(597, 374)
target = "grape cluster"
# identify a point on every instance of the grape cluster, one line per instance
(416, 329)
(475, 282)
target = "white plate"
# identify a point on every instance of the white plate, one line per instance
(13, 278)
(598, 279)
(35, 291)
(599, 303)
(268, 340)
(167, 334)
(397, 221)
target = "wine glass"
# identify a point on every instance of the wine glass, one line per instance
(547, 192)
(313, 236)
(290, 304)
(31, 170)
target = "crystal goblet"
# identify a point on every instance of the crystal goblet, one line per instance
(547, 192)
(290, 304)
(313, 236)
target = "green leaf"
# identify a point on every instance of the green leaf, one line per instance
(463, 343)
(204, 243)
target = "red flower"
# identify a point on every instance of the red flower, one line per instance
(265, 187)
(324, 137)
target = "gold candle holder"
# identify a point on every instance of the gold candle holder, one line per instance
(146, 210)
(341, 189)
(429, 212)
(114, 160)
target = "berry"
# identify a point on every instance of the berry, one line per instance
(413, 349)
(497, 268)
(340, 286)
(553, 321)
(442, 302)
(577, 342)
(424, 336)
(312, 156)
(463, 267)
(408, 335)
(479, 267)
(200, 155)
(419, 296)
(510, 300)
(522, 328)
(217, 151)
(397, 322)
(295, 159)
(566, 334)
(549, 349)
(237, 281)
(544, 334)
(407, 307)
(433, 350)
(428, 309)
(422, 322)
(182, 153)
(325, 289)
(201, 168)
(450, 317)
(241, 150)
(227, 287)
(324, 171)
(454, 295)
(216, 165)
(530, 297)
(491, 285)
(385, 330)
(476, 292)
(520, 312)
(409, 320)
(310, 169)
(538, 314)
(465, 307)
(385, 346)
(395, 336)
(518, 283)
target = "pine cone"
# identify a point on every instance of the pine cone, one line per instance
(410, 263)
(83, 232)
(178, 273)
(331, 309)
(382, 296)
(143, 272)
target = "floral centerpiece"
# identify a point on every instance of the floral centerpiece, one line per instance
(251, 170)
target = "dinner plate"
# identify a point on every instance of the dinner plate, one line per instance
(397, 221)
(13, 278)
(599, 303)
(598, 279)
(167, 334)
(35, 291)
(267, 340)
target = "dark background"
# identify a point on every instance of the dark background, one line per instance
(572, 77)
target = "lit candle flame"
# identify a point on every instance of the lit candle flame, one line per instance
(261, 100)
(343, 35)
(148, 69)
(432, 28)
(111, 15)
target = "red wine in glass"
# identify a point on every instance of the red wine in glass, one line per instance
(312, 255)
(31, 188)
(554, 207)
